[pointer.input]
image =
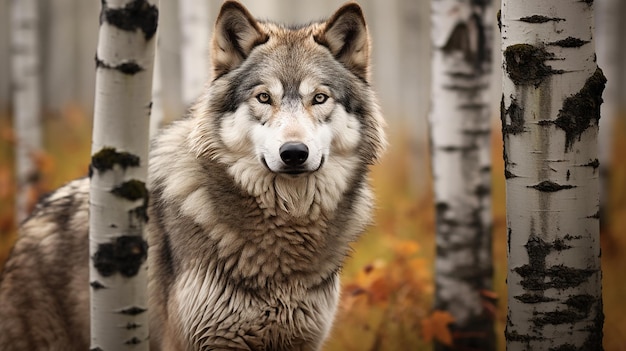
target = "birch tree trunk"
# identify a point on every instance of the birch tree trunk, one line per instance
(118, 197)
(156, 112)
(195, 32)
(608, 36)
(550, 110)
(460, 137)
(26, 101)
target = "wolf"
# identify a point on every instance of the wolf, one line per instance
(255, 198)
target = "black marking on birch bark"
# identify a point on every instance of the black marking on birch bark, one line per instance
(556, 318)
(107, 157)
(566, 347)
(131, 190)
(578, 309)
(515, 336)
(499, 19)
(569, 237)
(593, 164)
(133, 341)
(537, 277)
(548, 186)
(560, 245)
(525, 64)
(476, 132)
(568, 175)
(540, 19)
(96, 349)
(96, 285)
(460, 40)
(482, 191)
(533, 298)
(588, 2)
(595, 215)
(581, 111)
(125, 255)
(462, 149)
(137, 14)
(545, 122)
(473, 106)
(132, 326)
(508, 174)
(476, 334)
(129, 68)
(481, 3)
(140, 212)
(462, 75)
(559, 277)
(594, 340)
(132, 311)
(508, 239)
(516, 116)
(466, 88)
(570, 42)
(582, 303)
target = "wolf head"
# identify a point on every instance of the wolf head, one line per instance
(290, 105)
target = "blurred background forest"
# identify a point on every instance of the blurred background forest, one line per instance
(387, 282)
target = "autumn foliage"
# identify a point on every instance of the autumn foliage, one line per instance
(387, 292)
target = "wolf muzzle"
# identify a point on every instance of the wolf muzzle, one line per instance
(294, 154)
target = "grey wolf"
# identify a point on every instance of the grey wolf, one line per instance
(255, 198)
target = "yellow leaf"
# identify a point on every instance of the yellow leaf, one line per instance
(436, 326)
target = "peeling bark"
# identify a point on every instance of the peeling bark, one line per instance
(118, 171)
(459, 121)
(550, 110)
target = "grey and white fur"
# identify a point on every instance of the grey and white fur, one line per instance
(255, 198)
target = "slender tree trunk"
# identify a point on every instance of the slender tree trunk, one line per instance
(156, 112)
(608, 36)
(195, 31)
(551, 100)
(118, 198)
(460, 136)
(26, 101)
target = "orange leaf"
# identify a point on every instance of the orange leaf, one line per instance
(436, 326)
(406, 248)
(371, 273)
(380, 290)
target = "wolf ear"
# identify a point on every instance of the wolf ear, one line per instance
(236, 34)
(345, 35)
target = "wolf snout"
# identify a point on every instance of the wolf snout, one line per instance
(294, 154)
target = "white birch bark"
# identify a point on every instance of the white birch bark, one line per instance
(462, 38)
(118, 197)
(607, 37)
(26, 101)
(156, 112)
(550, 109)
(195, 31)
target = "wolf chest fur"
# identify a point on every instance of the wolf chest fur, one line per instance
(255, 198)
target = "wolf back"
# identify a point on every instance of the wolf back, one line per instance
(256, 196)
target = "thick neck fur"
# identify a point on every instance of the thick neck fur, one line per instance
(262, 228)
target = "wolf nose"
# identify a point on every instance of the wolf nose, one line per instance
(294, 154)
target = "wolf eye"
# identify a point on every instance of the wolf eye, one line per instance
(263, 98)
(319, 98)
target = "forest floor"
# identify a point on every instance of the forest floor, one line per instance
(388, 280)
